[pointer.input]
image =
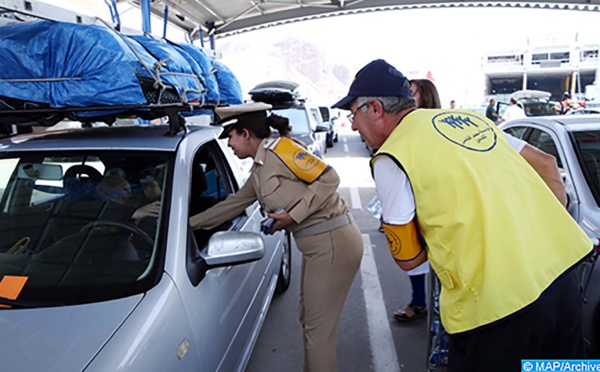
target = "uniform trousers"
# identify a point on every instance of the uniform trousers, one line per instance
(330, 261)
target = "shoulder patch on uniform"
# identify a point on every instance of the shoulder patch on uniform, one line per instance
(271, 142)
(302, 163)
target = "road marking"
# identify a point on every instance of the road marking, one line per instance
(344, 139)
(383, 349)
(346, 149)
(355, 198)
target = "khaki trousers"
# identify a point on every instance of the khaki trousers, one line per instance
(330, 261)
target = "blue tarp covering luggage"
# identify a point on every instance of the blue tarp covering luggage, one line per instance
(208, 77)
(229, 86)
(181, 74)
(66, 65)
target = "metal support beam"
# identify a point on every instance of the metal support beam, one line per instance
(165, 21)
(211, 35)
(145, 7)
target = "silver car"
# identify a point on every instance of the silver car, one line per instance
(575, 142)
(100, 269)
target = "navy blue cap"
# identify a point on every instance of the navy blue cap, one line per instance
(377, 79)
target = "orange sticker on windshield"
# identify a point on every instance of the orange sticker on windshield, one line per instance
(11, 286)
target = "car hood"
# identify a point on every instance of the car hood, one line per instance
(59, 338)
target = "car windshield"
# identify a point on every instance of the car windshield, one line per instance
(588, 143)
(298, 119)
(79, 228)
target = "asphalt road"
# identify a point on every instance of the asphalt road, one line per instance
(369, 339)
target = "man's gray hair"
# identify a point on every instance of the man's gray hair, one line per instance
(391, 105)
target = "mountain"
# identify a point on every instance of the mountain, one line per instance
(291, 59)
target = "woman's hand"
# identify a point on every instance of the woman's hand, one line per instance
(282, 220)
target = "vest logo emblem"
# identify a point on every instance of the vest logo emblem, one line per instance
(304, 161)
(466, 130)
(394, 243)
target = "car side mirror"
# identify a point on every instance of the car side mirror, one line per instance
(226, 248)
(322, 128)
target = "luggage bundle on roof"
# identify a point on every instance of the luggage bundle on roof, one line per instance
(276, 91)
(55, 70)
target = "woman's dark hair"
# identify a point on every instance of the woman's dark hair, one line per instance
(280, 123)
(428, 94)
(261, 127)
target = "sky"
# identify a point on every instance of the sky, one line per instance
(449, 42)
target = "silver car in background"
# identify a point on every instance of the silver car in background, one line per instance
(90, 283)
(575, 142)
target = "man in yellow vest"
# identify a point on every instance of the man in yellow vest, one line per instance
(491, 220)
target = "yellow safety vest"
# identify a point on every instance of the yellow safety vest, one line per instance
(496, 235)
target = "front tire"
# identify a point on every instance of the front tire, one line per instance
(285, 270)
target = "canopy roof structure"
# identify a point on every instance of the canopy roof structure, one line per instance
(202, 18)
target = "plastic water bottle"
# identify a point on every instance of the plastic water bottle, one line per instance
(374, 207)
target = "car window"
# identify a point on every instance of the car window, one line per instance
(298, 119)
(211, 181)
(79, 226)
(516, 132)
(538, 108)
(325, 113)
(588, 145)
(543, 141)
(316, 114)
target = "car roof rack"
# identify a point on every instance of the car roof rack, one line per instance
(48, 116)
(162, 98)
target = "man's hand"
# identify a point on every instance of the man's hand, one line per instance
(148, 210)
(282, 220)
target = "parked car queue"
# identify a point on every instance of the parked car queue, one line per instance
(574, 140)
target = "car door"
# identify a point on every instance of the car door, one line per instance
(517, 131)
(548, 141)
(223, 304)
(320, 131)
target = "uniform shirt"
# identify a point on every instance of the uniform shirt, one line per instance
(275, 186)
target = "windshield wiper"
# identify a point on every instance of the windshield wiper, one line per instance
(24, 304)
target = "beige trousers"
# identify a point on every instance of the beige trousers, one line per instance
(330, 261)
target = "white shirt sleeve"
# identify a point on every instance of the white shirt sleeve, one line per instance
(394, 192)
(397, 199)
(514, 142)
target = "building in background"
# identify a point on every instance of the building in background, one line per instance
(554, 68)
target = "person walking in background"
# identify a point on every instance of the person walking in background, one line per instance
(513, 112)
(426, 96)
(453, 104)
(509, 281)
(491, 113)
(324, 230)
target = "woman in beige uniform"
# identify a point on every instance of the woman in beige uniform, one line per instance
(285, 175)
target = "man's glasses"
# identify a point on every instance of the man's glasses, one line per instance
(351, 115)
